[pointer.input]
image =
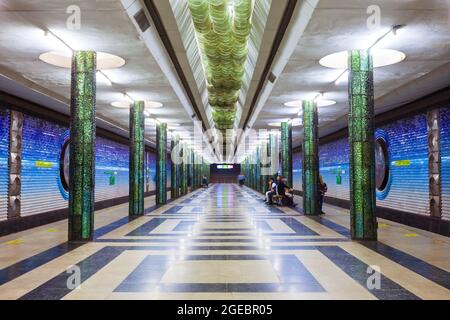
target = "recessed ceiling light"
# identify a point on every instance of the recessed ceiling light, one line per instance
(325, 103)
(295, 123)
(294, 104)
(153, 104)
(105, 61)
(121, 104)
(320, 103)
(173, 126)
(381, 58)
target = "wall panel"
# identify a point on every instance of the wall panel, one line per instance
(42, 142)
(43, 187)
(111, 169)
(297, 171)
(4, 142)
(408, 164)
(445, 166)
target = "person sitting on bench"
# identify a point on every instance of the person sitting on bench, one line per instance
(285, 194)
(271, 192)
(280, 189)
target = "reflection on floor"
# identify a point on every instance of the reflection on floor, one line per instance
(224, 243)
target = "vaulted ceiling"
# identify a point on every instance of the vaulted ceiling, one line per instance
(287, 40)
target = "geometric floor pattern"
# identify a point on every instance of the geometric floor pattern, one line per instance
(225, 243)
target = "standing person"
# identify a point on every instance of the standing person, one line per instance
(322, 188)
(271, 192)
(205, 182)
(241, 179)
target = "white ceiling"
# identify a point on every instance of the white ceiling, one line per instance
(334, 26)
(106, 27)
(341, 25)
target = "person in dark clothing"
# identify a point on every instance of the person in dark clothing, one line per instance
(281, 187)
(241, 179)
(205, 182)
(323, 188)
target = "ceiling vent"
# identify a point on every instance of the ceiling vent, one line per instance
(272, 78)
(142, 21)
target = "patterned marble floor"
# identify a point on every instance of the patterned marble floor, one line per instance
(224, 243)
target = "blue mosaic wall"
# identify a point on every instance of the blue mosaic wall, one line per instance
(41, 142)
(42, 188)
(111, 169)
(445, 166)
(151, 171)
(408, 150)
(169, 171)
(334, 168)
(4, 141)
(297, 171)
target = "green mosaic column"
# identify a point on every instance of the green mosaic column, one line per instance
(273, 150)
(264, 166)
(184, 171)
(286, 151)
(161, 161)
(197, 171)
(258, 169)
(175, 183)
(191, 170)
(310, 172)
(252, 171)
(137, 151)
(255, 169)
(82, 146)
(362, 150)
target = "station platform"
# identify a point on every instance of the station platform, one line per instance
(225, 243)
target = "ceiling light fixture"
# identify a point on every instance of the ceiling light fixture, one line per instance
(121, 104)
(295, 123)
(381, 58)
(320, 103)
(105, 61)
(153, 104)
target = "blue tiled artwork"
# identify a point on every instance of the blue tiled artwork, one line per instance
(408, 166)
(445, 165)
(43, 156)
(297, 170)
(150, 164)
(4, 140)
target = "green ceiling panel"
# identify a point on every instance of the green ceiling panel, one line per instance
(223, 28)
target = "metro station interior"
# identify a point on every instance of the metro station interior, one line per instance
(138, 139)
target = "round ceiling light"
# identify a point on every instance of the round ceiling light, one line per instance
(381, 58)
(153, 104)
(294, 104)
(320, 103)
(105, 61)
(295, 123)
(173, 126)
(121, 104)
(325, 103)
